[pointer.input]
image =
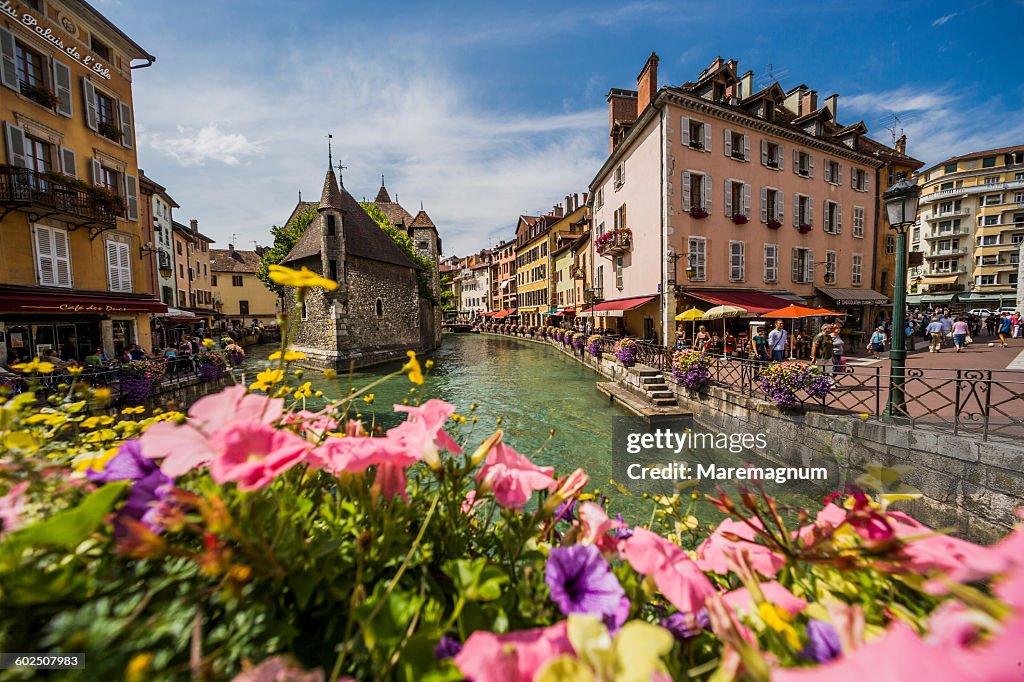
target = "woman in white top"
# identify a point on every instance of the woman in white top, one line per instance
(960, 332)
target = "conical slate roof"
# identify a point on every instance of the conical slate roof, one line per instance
(382, 194)
(422, 220)
(331, 196)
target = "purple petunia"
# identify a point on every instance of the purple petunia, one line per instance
(447, 647)
(623, 532)
(683, 626)
(149, 484)
(581, 581)
(822, 641)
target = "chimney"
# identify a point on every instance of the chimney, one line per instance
(901, 144)
(647, 84)
(793, 101)
(830, 104)
(621, 111)
(194, 224)
(231, 249)
(809, 103)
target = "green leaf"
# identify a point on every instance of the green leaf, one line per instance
(475, 579)
(302, 584)
(389, 624)
(67, 529)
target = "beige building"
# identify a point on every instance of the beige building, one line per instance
(240, 295)
(192, 270)
(74, 274)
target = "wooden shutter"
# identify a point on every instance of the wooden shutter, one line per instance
(126, 125)
(824, 216)
(62, 87)
(61, 258)
(782, 157)
(68, 162)
(119, 267)
(796, 210)
(113, 267)
(810, 165)
(839, 174)
(839, 218)
(91, 116)
(96, 170)
(764, 204)
(771, 262)
(15, 145)
(707, 137)
(764, 152)
(828, 172)
(746, 147)
(853, 177)
(131, 193)
(684, 130)
(9, 71)
(728, 197)
(796, 272)
(779, 199)
(796, 161)
(809, 266)
(746, 199)
(867, 182)
(686, 191)
(810, 212)
(44, 256)
(706, 189)
(728, 142)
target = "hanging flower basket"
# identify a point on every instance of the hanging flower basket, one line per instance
(594, 345)
(804, 229)
(691, 368)
(783, 380)
(740, 219)
(698, 213)
(774, 224)
(626, 352)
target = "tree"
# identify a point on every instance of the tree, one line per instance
(284, 239)
(404, 242)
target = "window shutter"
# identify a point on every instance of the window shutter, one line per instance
(15, 145)
(728, 197)
(746, 147)
(62, 87)
(809, 267)
(707, 137)
(9, 71)
(796, 265)
(810, 165)
(839, 218)
(125, 265)
(113, 267)
(96, 170)
(686, 191)
(764, 204)
(728, 142)
(796, 161)
(810, 212)
(824, 216)
(706, 189)
(91, 117)
(867, 182)
(828, 172)
(61, 258)
(796, 210)
(126, 125)
(853, 177)
(839, 174)
(68, 162)
(44, 255)
(131, 187)
(746, 199)
(684, 130)
(764, 152)
(779, 199)
(782, 157)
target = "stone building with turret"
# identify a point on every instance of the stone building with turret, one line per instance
(377, 313)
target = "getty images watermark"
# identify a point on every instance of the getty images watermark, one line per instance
(658, 455)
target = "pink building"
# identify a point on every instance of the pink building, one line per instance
(714, 193)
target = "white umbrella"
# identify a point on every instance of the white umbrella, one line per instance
(721, 312)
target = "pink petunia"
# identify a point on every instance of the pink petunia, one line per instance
(357, 453)
(11, 506)
(253, 454)
(678, 578)
(741, 600)
(717, 552)
(433, 415)
(927, 551)
(314, 424)
(515, 657)
(512, 477)
(470, 504)
(182, 448)
(596, 528)
(234, 404)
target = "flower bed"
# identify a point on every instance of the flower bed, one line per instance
(782, 381)
(625, 352)
(691, 368)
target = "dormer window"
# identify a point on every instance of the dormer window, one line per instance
(101, 49)
(718, 92)
(769, 111)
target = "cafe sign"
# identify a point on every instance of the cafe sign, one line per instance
(31, 22)
(84, 308)
(855, 301)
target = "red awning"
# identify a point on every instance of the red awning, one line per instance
(754, 302)
(62, 303)
(502, 313)
(614, 308)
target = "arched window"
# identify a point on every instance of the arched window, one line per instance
(379, 305)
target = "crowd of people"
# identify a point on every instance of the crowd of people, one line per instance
(941, 328)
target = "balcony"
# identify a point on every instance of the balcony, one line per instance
(973, 189)
(948, 271)
(936, 215)
(51, 195)
(577, 272)
(961, 232)
(962, 251)
(615, 243)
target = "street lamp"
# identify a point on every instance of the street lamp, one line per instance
(901, 210)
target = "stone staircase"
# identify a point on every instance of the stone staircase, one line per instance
(653, 384)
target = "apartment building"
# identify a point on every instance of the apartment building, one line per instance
(157, 222)
(537, 239)
(74, 274)
(715, 192)
(503, 277)
(475, 286)
(969, 230)
(241, 295)
(192, 268)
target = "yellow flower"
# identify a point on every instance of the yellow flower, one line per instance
(266, 379)
(289, 356)
(95, 461)
(101, 394)
(303, 391)
(208, 343)
(75, 371)
(133, 410)
(138, 668)
(413, 369)
(428, 364)
(303, 278)
(36, 365)
(778, 619)
(330, 374)
(368, 399)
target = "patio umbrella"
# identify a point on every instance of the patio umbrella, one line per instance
(722, 312)
(691, 316)
(794, 312)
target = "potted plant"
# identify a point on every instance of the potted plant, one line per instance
(625, 352)
(40, 95)
(139, 378)
(109, 131)
(594, 345)
(691, 368)
(774, 224)
(804, 229)
(740, 219)
(698, 213)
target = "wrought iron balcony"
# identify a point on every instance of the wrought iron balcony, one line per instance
(577, 272)
(50, 195)
(615, 242)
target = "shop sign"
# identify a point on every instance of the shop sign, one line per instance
(28, 20)
(853, 301)
(80, 308)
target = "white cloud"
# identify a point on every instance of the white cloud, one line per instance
(193, 147)
(943, 19)
(900, 100)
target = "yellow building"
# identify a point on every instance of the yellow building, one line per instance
(969, 230)
(73, 275)
(240, 296)
(192, 265)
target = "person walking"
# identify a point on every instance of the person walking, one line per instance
(934, 330)
(777, 341)
(961, 330)
(821, 348)
(759, 345)
(947, 327)
(877, 342)
(1005, 325)
(990, 324)
(838, 345)
(1015, 321)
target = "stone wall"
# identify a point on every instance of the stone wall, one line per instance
(184, 393)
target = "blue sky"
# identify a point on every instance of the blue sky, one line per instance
(484, 111)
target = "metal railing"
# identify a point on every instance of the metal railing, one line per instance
(22, 186)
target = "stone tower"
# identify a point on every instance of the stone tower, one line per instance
(427, 243)
(331, 219)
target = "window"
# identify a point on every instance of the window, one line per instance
(992, 200)
(207, 297)
(737, 146)
(422, 245)
(890, 244)
(331, 227)
(950, 167)
(697, 251)
(988, 162)
(332, 269)
(992, 180)
(988, 260)
(618, 272)
(100, 48)
(803, 210)
(990, 220)
(37, 155)
(179, 248)
(243, 307)
(110, 179)
(737, 269)
(859, 179)
(599, 199)
(858, 222)
(378, 307)
(833, 172)
(830, 267)
(803, 164)
(236, 280)
(619, 220)
(803, 265)
(771, 204)
(53, 257)
(29, 64)
(304, 311)
(833, 223)
(620, 175)
(771, 154)
(771, 263)
(1018, 177)
(858, 267)
(213, 280)
(104, 110)
(695, 134)
(985, 279)
(181, 271)
(1018, 198)
(696, 191)
(737, 198)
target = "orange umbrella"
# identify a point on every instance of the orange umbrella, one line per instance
(797, 311)
(825, 312)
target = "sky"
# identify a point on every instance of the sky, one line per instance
(483, 111)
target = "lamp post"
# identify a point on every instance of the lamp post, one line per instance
(901, 210)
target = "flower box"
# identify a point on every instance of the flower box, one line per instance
(774, 224)
(740, 219)
(804, 229)
(698, 213)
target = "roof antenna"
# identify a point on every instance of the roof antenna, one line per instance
(330, 159)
